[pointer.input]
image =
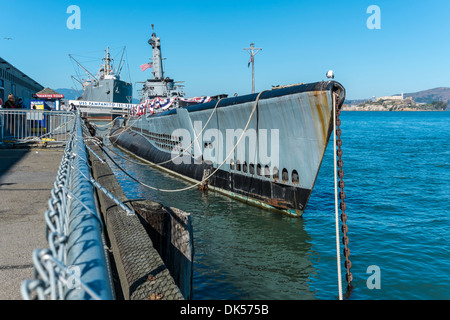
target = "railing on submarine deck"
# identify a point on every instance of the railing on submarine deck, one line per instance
(75, 266)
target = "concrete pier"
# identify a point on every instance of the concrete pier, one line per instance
(26, 179)
(151, 252)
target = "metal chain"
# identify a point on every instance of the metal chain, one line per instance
(340, 163)
(53, 276)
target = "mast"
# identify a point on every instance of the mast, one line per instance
(108, 67)
(253, 51)
(159, 86)
(155, 42)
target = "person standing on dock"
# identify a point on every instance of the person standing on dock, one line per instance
(20, 104)
(10, 103)
(10, 121)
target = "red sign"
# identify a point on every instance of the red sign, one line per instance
(49, 96)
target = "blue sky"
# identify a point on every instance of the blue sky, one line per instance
(203, 42)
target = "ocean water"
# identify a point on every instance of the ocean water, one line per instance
(397, 185)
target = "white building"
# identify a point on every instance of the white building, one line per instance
(400, 97)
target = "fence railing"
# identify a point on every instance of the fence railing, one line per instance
(75, 266)
(21, 126)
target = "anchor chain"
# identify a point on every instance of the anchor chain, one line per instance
(340, 163)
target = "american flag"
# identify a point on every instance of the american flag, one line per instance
(145, 66)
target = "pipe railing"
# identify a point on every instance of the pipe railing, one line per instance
(24, 125)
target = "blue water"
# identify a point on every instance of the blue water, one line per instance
(397, 185)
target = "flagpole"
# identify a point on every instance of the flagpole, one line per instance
(253, 51)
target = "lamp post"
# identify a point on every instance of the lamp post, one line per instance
(253, 51)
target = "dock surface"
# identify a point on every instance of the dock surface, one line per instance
(26, 179)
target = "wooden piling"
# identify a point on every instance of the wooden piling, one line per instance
(171, 232)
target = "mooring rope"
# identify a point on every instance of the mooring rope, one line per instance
(104, 125)
(129, 127)
(125, 130)
(167, 161)
(338, 250)
(196, 138)
(338, 143)
(343, 207)
(204, 179)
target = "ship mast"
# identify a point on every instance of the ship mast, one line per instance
(155, 42)
(108, 67)
(159, 86)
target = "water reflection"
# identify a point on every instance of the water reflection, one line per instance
(240, 251)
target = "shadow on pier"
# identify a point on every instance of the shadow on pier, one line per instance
(9, 158)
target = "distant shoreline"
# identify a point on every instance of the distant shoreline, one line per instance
(345, 108)
(396, 103)
(382, 108)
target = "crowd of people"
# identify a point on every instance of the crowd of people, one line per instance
(11, 103)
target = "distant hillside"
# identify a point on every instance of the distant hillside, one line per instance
(428, 96)
(69, 94)
(425, 96)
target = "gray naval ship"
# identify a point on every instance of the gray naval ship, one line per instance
(263, 148)
(106, 86)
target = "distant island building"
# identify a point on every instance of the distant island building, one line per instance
(396, 97)
(394, 103)
(15, 82)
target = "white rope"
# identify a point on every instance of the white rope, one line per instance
(167, 161)
(129, 127)
(186, 149)
(338, 250)
(104, 125)
(217, 169)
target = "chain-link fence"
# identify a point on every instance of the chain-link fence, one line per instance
(75, 266)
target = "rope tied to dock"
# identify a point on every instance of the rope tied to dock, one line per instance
(206, 178)
(339, 163)
(174, 158)
(196, 138)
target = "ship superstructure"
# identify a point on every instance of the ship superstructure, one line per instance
(159, 86)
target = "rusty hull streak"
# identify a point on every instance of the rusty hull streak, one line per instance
(322, 126)
(277, 203)
(316, 100)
